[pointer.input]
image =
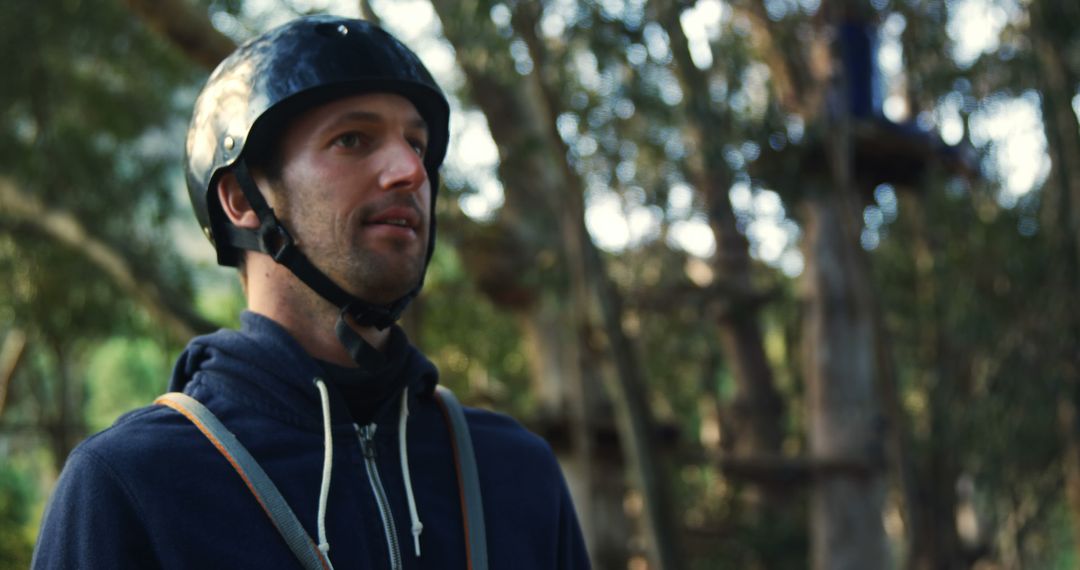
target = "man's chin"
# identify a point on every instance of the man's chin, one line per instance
(386, 289)
(381, 278)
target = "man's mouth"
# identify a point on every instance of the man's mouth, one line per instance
(396, 216)
(403, 217)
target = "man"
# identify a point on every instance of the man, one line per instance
(314, 436)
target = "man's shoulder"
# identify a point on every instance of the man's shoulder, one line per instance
(500, 436)
(499, 426)
(114, 467)
(149, 435)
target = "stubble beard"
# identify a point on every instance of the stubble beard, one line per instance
(382, 277)
(375, 276)
(386, 274)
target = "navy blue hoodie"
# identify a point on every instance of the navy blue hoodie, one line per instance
(152, 492)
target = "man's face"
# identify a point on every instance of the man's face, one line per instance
(355, 195)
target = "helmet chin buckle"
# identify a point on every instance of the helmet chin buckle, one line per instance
(275, 241)
(368, 315)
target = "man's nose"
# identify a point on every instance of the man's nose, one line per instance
(403, 168)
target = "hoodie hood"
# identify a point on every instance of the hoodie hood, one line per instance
(264, 366)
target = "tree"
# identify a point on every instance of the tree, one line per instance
(82, 196)
(710, 409)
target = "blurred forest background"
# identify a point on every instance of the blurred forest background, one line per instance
(785, 283)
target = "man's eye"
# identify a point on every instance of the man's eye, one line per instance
(419, 148)
(349, 140)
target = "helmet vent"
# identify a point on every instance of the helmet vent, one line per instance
(331, 30)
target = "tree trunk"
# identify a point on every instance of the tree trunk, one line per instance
(565, 383)
(555, 336)
(521, 114)
(63, 423)
(1058, 85)
(846, 527)
(840, 360)
(1062, 217)
(935, 543)
(591, 286)
(758, 411)
(898, 435)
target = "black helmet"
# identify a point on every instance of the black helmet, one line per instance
(255, 92)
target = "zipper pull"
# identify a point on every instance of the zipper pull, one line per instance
(367, 440)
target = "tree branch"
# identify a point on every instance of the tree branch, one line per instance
(797, 74)
(179, 322)
(11, 353)
(368, 13)
(187, 28)
(776, 469)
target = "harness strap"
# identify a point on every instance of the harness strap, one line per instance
(260, 485)
(275, 506)
(472, 505)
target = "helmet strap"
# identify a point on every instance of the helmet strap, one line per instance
(273, 239)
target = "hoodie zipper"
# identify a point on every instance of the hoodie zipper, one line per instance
(367, 444)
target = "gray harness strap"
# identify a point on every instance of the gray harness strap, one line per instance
(254, 477)
(268, 496)
(472, 505)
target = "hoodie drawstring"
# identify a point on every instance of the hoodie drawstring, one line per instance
(328, 461)
(414, 517)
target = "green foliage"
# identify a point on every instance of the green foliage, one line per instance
(977, 311)
(967, 330)
(123, 374)
(476, 348)
(87, 130)
(17, 495)
(222, 300)
(91, 113)
(1054, 549)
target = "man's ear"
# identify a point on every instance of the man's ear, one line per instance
(234, 203)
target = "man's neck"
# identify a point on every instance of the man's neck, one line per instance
(309, 318)
(319, 338)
